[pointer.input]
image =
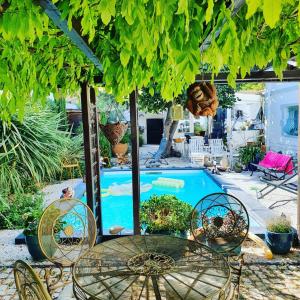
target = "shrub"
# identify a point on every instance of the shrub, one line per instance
(126, 138)
(279, 225)
(105, 146)
(141, 140)
(30, 151)
(13, 209)
(165, 213)
(250, 154)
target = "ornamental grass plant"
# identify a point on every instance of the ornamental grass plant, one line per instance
(279, 225)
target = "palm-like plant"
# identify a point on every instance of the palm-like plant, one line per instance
(30, 151)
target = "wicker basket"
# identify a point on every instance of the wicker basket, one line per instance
(114, 132)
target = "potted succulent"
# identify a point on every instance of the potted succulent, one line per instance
(122, 147)
(238, 168)
(279, 235)
(166, 214)
(31, 221)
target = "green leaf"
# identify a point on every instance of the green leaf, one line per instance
(299, 12)
(209, 11)
(124, 57)
(253, 5)
(182, 6)
(272, 10)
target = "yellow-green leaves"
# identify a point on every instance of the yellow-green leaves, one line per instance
(299, 12)
(124, 57)
(107, 9)
(253, 5)
(182, 6)
(272, 10)
(139, 43)
(209, 10)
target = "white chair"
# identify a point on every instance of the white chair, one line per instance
(197, 150)
(217, 148)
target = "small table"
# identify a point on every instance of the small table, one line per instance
(152, 267)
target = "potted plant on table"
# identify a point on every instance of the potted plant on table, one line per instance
(279, 235)
(238, 168)
(31, 221)
(166, 214)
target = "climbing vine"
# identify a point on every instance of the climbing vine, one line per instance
(139, 43)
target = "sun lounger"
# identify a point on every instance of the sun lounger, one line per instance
(157, 158)
(275, 166)
(285, 183)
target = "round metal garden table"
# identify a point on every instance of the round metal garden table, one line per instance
(152, 267)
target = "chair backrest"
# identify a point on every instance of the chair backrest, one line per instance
(278, 161)
(161, 149)
(216, 145)
(221, 221)
(196, 144)
(66, 231)
(28, 284)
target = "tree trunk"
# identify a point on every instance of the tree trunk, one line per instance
(172, 131)
(170, 127)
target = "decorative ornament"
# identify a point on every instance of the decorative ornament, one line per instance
(202, 99)
(177, 112)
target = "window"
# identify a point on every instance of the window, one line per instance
(290, 126)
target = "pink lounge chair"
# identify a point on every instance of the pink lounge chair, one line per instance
(274, 164)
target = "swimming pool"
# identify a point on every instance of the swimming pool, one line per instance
(117, 192)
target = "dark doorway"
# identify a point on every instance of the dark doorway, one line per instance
(155, 129)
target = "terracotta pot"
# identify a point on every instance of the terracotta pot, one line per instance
(120, 149)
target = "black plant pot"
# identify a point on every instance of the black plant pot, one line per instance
(34, 247)
(279, 243)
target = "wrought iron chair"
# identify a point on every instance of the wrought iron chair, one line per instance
(28, 283)
(66, 231)
(221, 221)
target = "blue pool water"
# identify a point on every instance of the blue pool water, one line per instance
(117, 208)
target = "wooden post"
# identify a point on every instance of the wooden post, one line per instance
(91, 152)
(135, 161)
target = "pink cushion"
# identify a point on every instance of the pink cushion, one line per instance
(280, 162)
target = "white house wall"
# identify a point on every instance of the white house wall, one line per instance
(143, 121)
(278, 97)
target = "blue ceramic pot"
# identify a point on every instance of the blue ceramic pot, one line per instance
(34, 247)
(279, 243)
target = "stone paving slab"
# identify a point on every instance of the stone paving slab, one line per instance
(259, 281)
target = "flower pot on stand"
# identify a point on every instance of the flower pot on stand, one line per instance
(120, 149)
(279, 243)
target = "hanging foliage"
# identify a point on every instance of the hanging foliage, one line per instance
(202, 99)
(139, 43)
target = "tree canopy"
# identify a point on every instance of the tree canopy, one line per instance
(139, 42)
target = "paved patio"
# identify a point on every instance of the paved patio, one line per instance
(277, 279)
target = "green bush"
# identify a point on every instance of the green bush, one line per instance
(198, 128)
(105, 146)
(165, 213)
(279, 225)
(249, 154)
(141, 140)
(15, 208)
(30, 151)
(126, 138)
(73, 152)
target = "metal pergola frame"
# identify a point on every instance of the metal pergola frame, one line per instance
(90, 119)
